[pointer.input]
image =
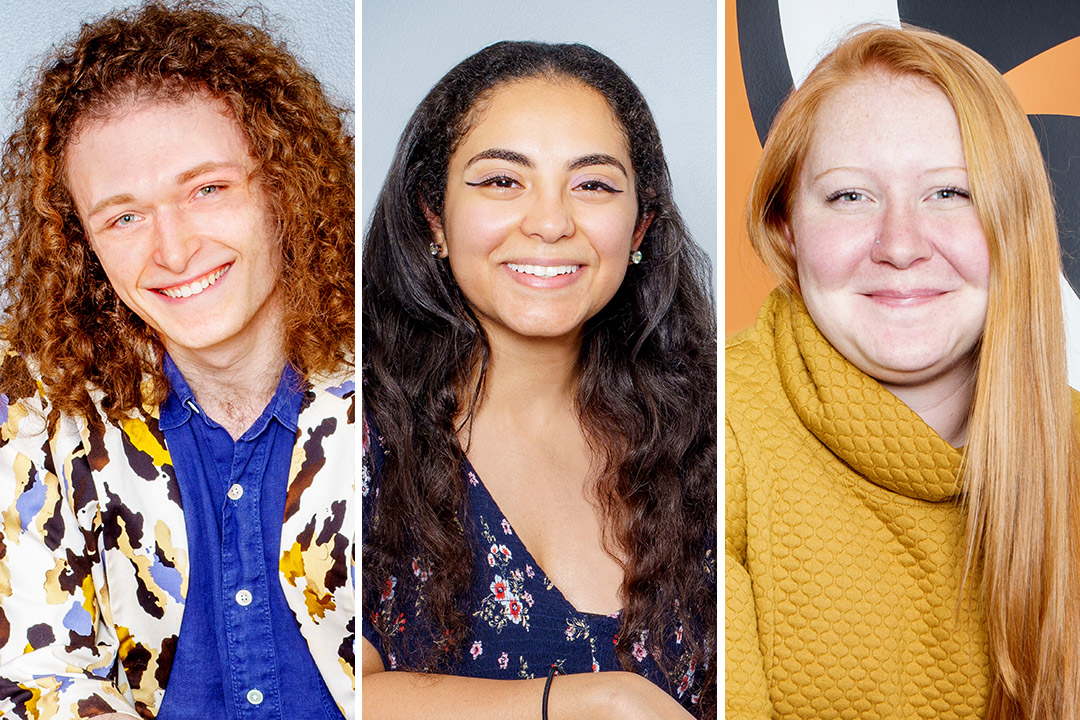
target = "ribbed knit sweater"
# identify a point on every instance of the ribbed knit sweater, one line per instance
(844, 541)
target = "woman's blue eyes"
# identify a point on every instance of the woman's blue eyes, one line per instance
(124, 220)
(853, 196)
(845, 195)
(950, 192)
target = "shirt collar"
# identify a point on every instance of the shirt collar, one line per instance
(181, 405)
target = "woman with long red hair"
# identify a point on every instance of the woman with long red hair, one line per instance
(903, 454)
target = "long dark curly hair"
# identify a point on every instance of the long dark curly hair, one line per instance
(646, 393)
(63, 312)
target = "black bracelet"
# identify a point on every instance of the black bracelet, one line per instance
(552, 672)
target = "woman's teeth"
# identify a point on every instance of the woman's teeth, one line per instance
(543, 271)
(195, 287)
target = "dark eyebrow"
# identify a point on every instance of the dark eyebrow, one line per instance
(500, 154)
(519, 159)
(597, 159)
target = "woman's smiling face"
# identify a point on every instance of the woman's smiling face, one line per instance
(540, 211)
(892, 259)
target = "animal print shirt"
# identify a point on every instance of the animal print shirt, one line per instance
(94, 560)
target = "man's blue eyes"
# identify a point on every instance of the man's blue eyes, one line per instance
(129, 218)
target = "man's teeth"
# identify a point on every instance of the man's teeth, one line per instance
(543, 271)
(194, 288)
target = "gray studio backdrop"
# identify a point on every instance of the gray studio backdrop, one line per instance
(319, 32)
(668, 49)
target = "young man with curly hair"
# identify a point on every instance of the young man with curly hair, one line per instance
(177, 444)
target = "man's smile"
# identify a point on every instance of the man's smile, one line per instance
(195, 286)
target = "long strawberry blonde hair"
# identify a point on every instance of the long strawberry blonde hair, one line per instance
(1021, 467)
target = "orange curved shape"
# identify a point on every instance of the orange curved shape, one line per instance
(746, 281)
(1046, 84)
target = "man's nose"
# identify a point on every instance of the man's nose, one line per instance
(175, 241)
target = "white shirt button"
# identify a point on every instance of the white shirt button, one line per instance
(244, 598)
(236, 491)
(254, 697)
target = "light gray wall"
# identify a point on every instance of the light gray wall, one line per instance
(668, 49)
(319, 32)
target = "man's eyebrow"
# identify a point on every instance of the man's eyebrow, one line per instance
(206, 167)
(111, 200)
(501, 154)
(597, 159)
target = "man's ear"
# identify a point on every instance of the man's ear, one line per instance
(435, 223)
(639, 231)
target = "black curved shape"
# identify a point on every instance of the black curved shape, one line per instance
(1005, 32)
(1059, 138)
(764, 60)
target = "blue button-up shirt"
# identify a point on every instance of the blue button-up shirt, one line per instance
(240, 654)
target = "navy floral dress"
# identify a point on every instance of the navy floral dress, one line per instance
(521, 622)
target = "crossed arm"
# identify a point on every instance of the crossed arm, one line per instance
(603, 696)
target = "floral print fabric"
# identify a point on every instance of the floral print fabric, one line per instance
(521, 623)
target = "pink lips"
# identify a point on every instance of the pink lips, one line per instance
(543, 274)
(905, 298)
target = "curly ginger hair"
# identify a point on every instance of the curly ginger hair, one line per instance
(62, 310)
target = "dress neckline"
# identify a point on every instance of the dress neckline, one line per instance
(472, 477)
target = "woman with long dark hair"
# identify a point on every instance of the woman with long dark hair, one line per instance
(540, 406)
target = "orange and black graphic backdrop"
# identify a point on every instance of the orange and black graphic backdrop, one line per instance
(1035, 45)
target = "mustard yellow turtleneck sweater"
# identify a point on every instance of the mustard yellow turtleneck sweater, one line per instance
(845, 538)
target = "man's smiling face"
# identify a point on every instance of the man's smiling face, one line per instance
(166, 193)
